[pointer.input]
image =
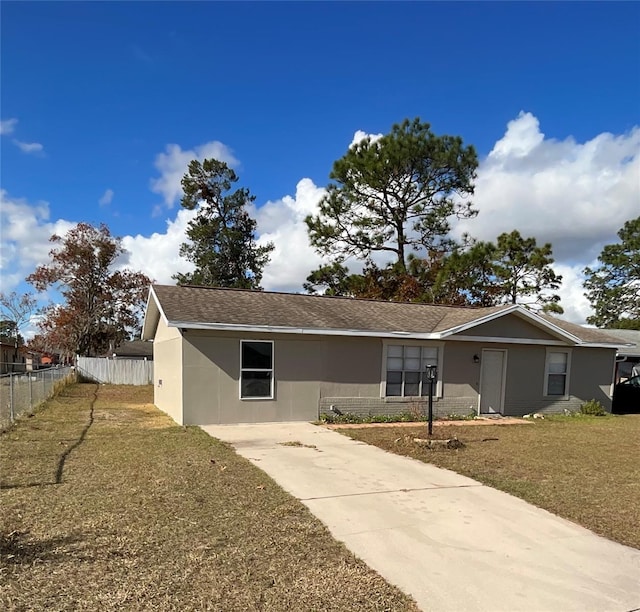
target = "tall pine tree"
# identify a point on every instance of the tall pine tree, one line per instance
(613, 288)
(221, 238)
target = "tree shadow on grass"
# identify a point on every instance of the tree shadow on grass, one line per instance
(78, 442)
(65, 454)
(19, 548)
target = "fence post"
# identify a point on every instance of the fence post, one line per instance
(30, 391)
(11, 415)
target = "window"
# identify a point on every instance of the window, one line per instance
(557, 373)
(406, 375)
(256, 369)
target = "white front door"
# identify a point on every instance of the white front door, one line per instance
(492, 379)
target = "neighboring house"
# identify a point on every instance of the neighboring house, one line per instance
(233, 356)
(7, 357)
(629, 354)
(32, 359)
(135, 349)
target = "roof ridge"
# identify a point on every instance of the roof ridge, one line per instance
(333, 297)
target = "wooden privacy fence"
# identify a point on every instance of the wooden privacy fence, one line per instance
(115, 371)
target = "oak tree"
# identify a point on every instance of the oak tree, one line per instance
(101, 304)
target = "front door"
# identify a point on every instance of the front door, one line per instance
(492, 374)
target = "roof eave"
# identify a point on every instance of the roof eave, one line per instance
(152, 315)
(235, 327)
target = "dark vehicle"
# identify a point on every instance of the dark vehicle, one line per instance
(626, 396)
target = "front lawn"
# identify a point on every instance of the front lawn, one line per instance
(585, 469)
(106, 504)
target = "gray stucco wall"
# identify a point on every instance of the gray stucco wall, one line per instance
(354, 359)
(200, 374)
(590, 378)
(510, 326)
(212, 379)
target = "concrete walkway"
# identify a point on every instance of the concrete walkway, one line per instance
(450, 542)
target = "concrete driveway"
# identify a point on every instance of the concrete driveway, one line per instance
(450, 542)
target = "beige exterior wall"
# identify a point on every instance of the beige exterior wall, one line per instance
(167, 371)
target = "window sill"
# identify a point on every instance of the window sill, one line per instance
(255, 399)
(392, 399)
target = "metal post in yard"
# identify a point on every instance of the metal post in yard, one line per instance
(432, 375)
(11, 397)
(30, 391)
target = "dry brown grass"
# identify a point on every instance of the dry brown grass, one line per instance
(586, 469)
(108, 505)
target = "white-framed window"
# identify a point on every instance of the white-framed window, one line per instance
(256, 369)
(556, 373)
(405, 369)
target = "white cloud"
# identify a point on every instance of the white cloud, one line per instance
(173, 163)
(572, 298)
(574, 195)
(28, 147)
(282, 222)
(106, 198)
(359, 136)
(8, 126)
(158, 255)
(26, 230)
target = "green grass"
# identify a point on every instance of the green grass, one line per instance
(106, 504)
(585, 469)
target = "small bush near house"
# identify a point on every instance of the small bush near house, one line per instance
(404, 417)
(593, 408)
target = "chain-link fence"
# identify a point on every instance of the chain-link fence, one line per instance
(20, 393)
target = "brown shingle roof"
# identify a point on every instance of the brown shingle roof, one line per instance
(292, 310)
(211, 306)
(586, 334)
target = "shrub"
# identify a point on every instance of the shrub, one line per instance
(593, 408)
(404, 417)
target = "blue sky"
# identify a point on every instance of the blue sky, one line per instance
(105, 89)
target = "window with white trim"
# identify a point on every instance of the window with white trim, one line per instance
(406, 370)
(556, 382)
(256, 369)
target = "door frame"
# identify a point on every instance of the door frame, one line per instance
(504, 352)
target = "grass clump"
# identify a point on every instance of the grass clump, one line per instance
(106, 504)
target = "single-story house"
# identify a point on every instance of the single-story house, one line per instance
(237, 356)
